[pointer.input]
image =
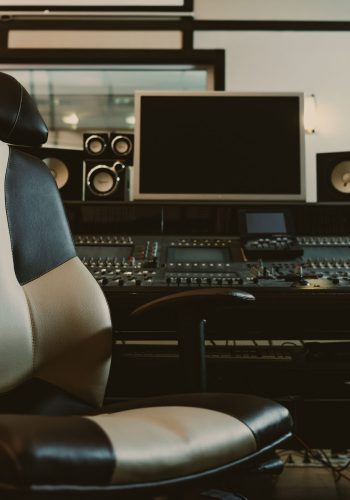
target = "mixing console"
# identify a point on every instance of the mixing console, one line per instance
(177, 262)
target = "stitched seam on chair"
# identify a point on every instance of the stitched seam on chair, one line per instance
(109, 440)
(34, 335)
(7, 451)
(6, 207)
(47, 271)
(11, 241)
(18, 113)
(256, 437)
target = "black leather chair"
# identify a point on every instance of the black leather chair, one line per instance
(56, 438)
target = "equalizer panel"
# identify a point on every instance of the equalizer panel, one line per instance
(176, 262)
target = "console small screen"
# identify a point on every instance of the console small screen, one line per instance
(190, 254)
(103, 252)
(265, 223)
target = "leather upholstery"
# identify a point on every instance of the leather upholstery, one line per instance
(52, 311)
(266, 419)
(152, 444)
(73, 337)
(30, 191)
(53, 450)
(141, 445)
(16, 340)
(20, 120)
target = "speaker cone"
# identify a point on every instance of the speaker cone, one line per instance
(340, 177)
(121, 145)
(58, 170)
(103, 180)
(95, 145)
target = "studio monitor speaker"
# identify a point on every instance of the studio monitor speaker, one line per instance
(66, 166)
(107, 162)
(333, 176)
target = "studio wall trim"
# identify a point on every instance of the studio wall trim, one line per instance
(11, 27)
(63, 39)
(102, 5)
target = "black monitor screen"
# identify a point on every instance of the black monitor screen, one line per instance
(219, 146)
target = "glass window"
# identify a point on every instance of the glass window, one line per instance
(75, 99)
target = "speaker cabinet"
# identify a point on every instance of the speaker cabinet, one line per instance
(105, 180)
(333, 176)
(107, 165)
(66, 166)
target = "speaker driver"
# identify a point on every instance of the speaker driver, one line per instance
(340, 177)
(95, 145)
(121, 145)
(103, 180)
(58, 170)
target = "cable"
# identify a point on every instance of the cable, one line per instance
(337, 472)
(344, 466)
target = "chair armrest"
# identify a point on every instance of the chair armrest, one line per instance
(198, 300)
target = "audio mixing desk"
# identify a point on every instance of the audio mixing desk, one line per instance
(309, 294)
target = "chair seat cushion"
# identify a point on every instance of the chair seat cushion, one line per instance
(267, 419)
(157, 443)
(180, 437)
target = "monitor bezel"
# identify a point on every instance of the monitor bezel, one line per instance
(137, 195)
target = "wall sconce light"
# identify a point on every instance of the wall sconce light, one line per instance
(71, 119)
(310, 114)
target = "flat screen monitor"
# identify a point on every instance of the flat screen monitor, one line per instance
(219, 145)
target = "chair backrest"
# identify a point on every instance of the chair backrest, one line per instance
(54, 319)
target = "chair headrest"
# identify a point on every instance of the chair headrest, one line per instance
(20, 121)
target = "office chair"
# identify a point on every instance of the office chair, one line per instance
(56, 438)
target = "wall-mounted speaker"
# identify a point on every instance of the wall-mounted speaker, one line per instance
(66, 166)
(333, 176)
(105, 180)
